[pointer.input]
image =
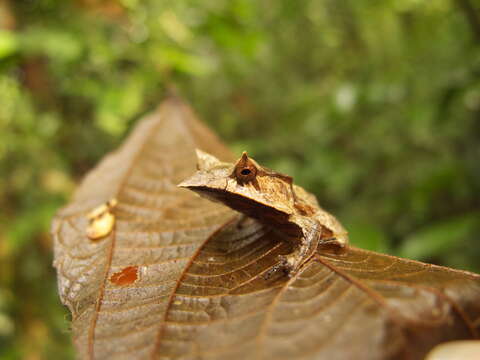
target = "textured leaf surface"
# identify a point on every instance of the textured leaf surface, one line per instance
(180, 277)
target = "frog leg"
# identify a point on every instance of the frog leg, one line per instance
(311, 231)
(337, 235)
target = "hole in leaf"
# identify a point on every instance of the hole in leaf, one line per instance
(101, 226)
(101, 221)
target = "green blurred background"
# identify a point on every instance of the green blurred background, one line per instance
(373, 105)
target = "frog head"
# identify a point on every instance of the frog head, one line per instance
(244, 186)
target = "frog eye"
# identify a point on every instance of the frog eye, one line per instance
(245, 170)
(245, 174)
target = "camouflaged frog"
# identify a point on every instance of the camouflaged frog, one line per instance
(271, 198)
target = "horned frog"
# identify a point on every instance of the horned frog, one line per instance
(271, 198)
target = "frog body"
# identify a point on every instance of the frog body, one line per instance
(271, 198)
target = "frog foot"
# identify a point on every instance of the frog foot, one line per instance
(293, 262)
(284, 262)
(288, 263)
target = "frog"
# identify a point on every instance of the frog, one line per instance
(273, 199)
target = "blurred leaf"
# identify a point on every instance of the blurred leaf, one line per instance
(170, 57)
(117, 104)
(8, 43)
(32, 222)
(440, 238)
(367, 236)
(172, 25)
(56, 44)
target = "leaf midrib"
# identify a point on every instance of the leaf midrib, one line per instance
(121, 185)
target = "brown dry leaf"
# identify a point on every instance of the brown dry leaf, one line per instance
(179, 277)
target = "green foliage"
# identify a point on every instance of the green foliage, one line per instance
(441, 239)
(8, 44)
(372, 105)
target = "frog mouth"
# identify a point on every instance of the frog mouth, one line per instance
(241, 204)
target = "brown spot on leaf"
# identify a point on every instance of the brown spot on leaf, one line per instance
(125, 277)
